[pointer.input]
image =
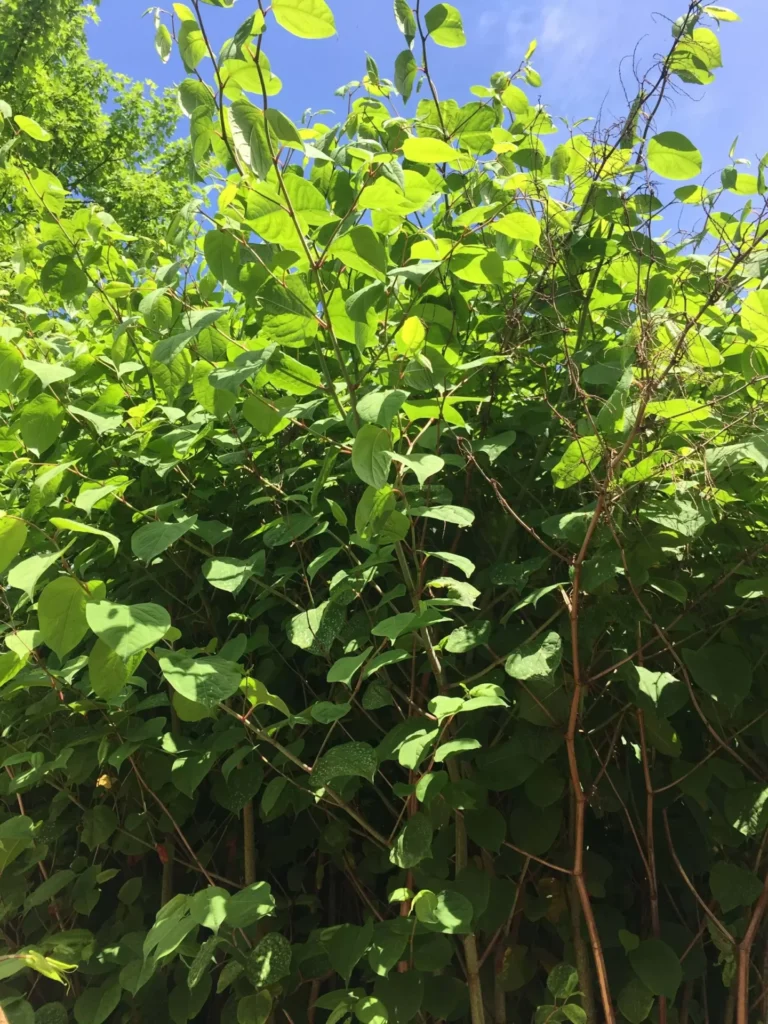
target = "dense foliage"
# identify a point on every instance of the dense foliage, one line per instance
(107, 138)
(384, 560)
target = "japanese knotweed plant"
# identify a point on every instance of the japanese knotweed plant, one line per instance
(384, 561)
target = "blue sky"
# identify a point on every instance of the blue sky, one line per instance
(583, 47)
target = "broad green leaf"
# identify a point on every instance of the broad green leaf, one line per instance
(13, 536)
(754, 315)
(250, 905)
(11, 362)
(98, 1002)
(26, 573)
(347, 759)
(722, 671)
(345, 669)
(380, 407)
(536, 658)
(205, 681)
(61, 614)
(635, 1001)
(74, 526)
(107, 671)
(405, 20)
(734, 886)
(463, 517)
(657, 966)
(192, 46)
(414, 843)
(270, 961)
(308, 19)
(406, 70)
(577, 461)
(31, 128)
(127, 628)
(443, 23)
(424, 466)
(40, 423)
(519, 225)
(360, 249)
(429, 151)
(230, 574)
(152, 539)
(674, 156)
(371, 456)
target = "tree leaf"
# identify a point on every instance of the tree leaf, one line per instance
(346, 759)
(444, 25)
(61, 613)
(371, 456)
(535, 659)
(205, 681)
(13, 536)
(733, 886)
(414, 843)
(577, 461)
(308, 19)
(127, 628)
(673, 156)
(152, 539)
(657, 966)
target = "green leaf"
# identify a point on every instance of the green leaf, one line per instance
(380, 407)
(13, 536)
(519, 225)
(40, 423)
(250, 905)
(562, 981)
(99, 824)
(230, 574)
(458, 746)
(414, 843)
(269, 961)
(152, 539)
(577, 461)
(371, 456)
(25, 574)
(48, 373)
(75, 527)
(345, 669)
(444, 25)
(754, 315)
(465, 638)
(406, 70)
(535, 659)
(722, 671)
(190, 38)
(674, 156)
(657, 966)
(463, 517)
(360, 249)
(308, 19)
(107, 671)
(424, 466)
(127, 628)
(343, 760)
(734, 886)
(429, 151)
(405, 20)
(635, 1001)
(61, 613)
(205, 681)
(98, 1002)
(31, 128)
(11, 362)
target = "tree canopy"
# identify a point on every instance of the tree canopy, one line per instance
(383, 551)
(110, 137)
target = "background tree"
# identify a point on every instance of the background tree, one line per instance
(111, 138)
